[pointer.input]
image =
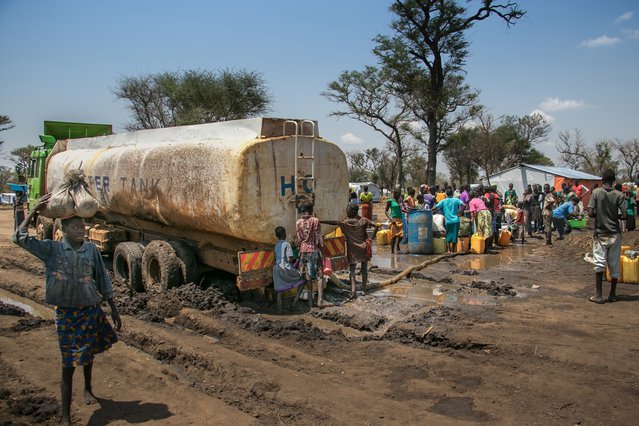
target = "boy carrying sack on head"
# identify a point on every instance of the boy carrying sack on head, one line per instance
(76, 283)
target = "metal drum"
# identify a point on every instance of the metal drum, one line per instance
(420, 232)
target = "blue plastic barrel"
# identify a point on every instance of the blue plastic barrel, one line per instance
(420, 232)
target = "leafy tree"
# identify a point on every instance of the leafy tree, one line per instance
(416, 167)
(368, 98)
(357, 167)
(521, 134)
(21, 158)
(5, 176)
(427, 55)
(459, 158)
(193, 97)
(5, 124)
(489, 145)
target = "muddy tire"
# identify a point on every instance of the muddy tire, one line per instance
(44, 228)
(187, 262)
(127, 265)
(160, 267)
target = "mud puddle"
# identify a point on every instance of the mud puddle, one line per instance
(501, 257)
(28, 306)
(419, 294)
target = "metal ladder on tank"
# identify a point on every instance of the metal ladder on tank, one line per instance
(300, 156)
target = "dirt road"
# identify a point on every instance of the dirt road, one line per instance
(466, 341)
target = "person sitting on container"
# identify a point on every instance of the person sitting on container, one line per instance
(285, 276)
(358, 245)
(308, 237)
(366, 198)
(450, 207)
(480, 214)
(561, 215)
(394, 214)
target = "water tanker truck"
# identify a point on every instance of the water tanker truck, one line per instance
(178, 201)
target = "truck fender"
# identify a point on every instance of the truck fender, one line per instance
(187, 261)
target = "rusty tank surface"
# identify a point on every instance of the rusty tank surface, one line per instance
(225, 184)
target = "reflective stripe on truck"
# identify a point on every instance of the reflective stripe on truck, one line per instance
(255, 269)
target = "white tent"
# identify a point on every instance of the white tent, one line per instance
(373, 188)
(527, 174)
(7, 197)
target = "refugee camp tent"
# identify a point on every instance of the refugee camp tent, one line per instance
(373, 188)
(7, 197)
(527, 174)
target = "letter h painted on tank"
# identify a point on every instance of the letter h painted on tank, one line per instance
(285, 186)
(291, 185)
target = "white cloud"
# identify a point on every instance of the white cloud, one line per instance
(351, 139)
(602, 41)
(626, 16)
(549, 118)
(631, 34)
(556, 104)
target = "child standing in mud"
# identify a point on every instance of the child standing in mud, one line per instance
(308, 237)
(76, 283)
(357, 243)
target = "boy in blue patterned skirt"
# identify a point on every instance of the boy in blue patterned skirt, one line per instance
(76, 283)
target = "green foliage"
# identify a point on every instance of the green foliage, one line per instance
(21, 158)
(5, 176)
(425, 59)
(459, 158)
(193, 97)
(5, 124)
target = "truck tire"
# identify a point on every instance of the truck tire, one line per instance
(187, 262)
(127, 265)
(160, 267)
(44, 228)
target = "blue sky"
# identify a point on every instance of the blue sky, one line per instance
(575, 60)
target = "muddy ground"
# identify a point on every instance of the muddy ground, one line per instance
(506, 338)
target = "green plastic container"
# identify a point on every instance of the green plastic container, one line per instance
(577, 223)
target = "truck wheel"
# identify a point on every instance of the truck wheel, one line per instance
(127, 265)
(187, 261)
(160, 267)
(44, 228)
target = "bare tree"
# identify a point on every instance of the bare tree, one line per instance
(572, 149)
(577, 155)
(628, 156)
(369, 99)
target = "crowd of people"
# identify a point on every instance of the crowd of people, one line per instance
(483, 210)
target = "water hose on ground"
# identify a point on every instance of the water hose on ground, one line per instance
(406, 272)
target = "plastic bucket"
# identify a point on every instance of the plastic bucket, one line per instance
(420, 232)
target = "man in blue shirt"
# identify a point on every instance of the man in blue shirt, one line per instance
(450, 208)
(561, 214)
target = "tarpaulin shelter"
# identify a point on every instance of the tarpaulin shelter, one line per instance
(527, 174)
(372, 188)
